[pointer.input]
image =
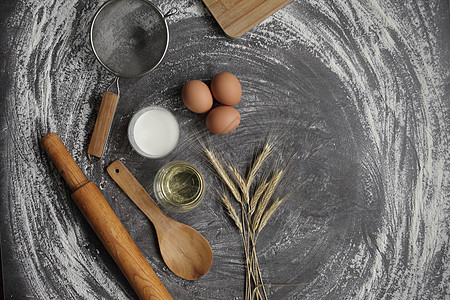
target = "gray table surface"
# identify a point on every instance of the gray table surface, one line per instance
(358, 90)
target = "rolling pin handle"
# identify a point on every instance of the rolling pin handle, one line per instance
(63, 161)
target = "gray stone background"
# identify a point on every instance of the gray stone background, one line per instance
(357, 91)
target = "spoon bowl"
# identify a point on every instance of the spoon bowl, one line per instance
(185, 251)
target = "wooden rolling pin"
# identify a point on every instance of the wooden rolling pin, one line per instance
(105, 223)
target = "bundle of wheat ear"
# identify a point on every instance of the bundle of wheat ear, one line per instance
(255, 209)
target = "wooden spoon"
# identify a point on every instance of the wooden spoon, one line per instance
(184, 250)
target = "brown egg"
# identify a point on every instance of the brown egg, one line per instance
(197, 96)
(226, 89)
(223, 120)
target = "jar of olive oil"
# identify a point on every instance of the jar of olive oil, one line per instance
(179, 186)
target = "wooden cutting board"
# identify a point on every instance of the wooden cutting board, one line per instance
(238, 16)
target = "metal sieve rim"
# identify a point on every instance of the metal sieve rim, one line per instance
(91, 37)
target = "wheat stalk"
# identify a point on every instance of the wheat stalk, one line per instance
(231, 211)
(255, 211)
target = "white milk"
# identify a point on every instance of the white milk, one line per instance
(153, 132)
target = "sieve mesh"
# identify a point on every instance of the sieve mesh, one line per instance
(129, 38)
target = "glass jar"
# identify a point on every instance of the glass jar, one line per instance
(179, 186)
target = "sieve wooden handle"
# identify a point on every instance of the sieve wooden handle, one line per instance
(105, 223)
(103, 124)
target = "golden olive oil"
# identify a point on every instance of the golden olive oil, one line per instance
(179, 185)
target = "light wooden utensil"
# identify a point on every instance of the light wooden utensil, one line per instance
(184, 250)
(238, 16)
(105, 223)
(103, 124)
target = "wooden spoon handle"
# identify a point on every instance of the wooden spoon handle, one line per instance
(105, 223)
(103, 124)
(134, 190)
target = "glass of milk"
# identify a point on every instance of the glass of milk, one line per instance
(153, 132)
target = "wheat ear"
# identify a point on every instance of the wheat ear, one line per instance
(223, 174)
(272, 185)
(256, 196)
(268, 214)
(240, 182)
(231, 211)
(257, 163)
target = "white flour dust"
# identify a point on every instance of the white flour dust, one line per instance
(390, 61)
